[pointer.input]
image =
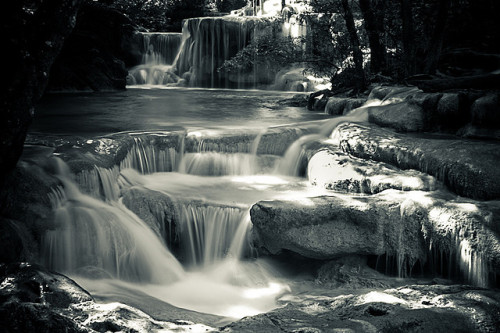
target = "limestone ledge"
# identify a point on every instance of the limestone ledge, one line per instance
(407, 225)
(467, 167)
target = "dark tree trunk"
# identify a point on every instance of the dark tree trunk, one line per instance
(486, 81)
(37, 31)
(432, 57)
(356, 50)
(408, 38)
(373, 26)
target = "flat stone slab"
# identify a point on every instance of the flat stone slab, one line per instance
(467, 167)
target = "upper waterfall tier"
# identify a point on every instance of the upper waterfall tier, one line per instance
(209, 41)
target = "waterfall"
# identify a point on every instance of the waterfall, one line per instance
(149, 155)
(161, 48)
(207, 43)
(218, 164)
(211, 233)
(294, 161)
(159, 52)
(103, 239)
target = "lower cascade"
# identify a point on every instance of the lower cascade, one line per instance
(215, 223)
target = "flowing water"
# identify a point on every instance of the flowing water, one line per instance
(200, 255)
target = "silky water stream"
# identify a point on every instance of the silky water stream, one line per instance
(202, 258)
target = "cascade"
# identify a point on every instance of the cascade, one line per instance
(293, 162)
(93, 236)
(159, 52)
(207, 43)
(161, 48)
(148, 155)
(211, 233)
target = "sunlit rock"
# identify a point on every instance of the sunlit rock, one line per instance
(468, 168)
(33, 299)
(411, 226)
(337, 171)
(330, 227)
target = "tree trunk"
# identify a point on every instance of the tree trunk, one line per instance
(35, 39)
(408, 38)
(486, 81)
(356, 50)
(373, 29)
(436, 44)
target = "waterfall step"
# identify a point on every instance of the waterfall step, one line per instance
(467, 167)
(414, 227)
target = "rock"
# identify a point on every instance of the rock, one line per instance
(403, 117)
(341, 106)
(350, 272)
(33, 299)
(405, 309)
(337, 171)
(486, 111)
(35, 40)
(451, 112)
(389, 94)
(402, 224)
(25, 211)
(466, 167)
(156, 209)
(330, 227)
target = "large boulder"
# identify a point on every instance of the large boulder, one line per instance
(32, 299)
(468, 168)
(403, 117)
(406, 225)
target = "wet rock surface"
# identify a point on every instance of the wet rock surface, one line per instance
(33, 299)
(334, 170)
(406, 225)
(468, 113)
(413, 308)
(466, 167)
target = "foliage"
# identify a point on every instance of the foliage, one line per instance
(266, 49)
(324, 52)
(225, 6)
(167, 15)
